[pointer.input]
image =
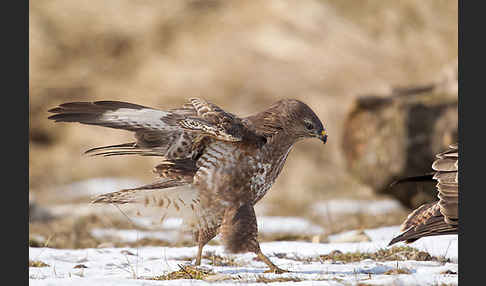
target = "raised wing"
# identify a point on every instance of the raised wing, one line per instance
(155, 134)
(440, 217)
(180, 136)
(173, 134)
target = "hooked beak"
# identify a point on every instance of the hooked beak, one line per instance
(322, 136)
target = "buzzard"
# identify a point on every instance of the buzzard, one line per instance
(215, 166)
(441, 217)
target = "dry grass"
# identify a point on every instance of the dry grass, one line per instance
(266, 280)
(398, 253)
(37, 263)
(218, 260)
(186, 272)
(398, 271)
(283, 237)
(75, 232)
(64, 233)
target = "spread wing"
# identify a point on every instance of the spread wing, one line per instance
(173, 134)
(440, 217)
(180, 136)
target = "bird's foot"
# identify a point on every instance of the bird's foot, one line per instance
(273, 267)
(198, 261)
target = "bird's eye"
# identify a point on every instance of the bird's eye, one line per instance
(308, 125)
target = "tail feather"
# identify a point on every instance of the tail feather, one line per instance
(145, 194)
(427, 220)
(167, 198)
(435, 226)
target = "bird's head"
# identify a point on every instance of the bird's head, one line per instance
(304, 122)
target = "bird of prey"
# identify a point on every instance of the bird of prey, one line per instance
(441, 217)
(215, 166)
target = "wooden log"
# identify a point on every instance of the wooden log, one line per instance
(391, 137)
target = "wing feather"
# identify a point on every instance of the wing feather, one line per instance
(155, 134)
(180, 136)
(169, 134)
(440, 217)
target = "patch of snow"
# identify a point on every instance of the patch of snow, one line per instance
(287, 225)
(349, 236)
(348, 206)
(170, 223)
(440, 246)
(132, 266)
(171, 229)
(266, 224)
(133, 235)
(97, 186)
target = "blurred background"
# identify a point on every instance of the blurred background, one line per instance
(381, 75)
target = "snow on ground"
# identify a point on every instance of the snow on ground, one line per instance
(97, 186)
(349, 206)
(89, 188)
(132, 235)
(169, 229)
(287, 225)
(132, 266)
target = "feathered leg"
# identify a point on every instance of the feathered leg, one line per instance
(203, 237)
(239, 233)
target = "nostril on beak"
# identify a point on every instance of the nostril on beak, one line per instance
(324, 139)
(323, 136)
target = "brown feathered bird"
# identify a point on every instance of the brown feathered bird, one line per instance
(215, 165)
(441, 217)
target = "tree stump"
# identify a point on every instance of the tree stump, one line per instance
(391, 137)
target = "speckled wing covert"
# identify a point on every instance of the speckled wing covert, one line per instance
(441, 217)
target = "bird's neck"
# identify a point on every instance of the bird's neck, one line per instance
(272, 125)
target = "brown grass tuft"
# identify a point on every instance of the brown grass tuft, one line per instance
(186, 272)
(264, 279)
(397, 271)
(386, 254)
(37, 263)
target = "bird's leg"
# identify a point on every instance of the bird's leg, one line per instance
(199, 254)
(203, 237)
(239, 232)
(273, 268)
